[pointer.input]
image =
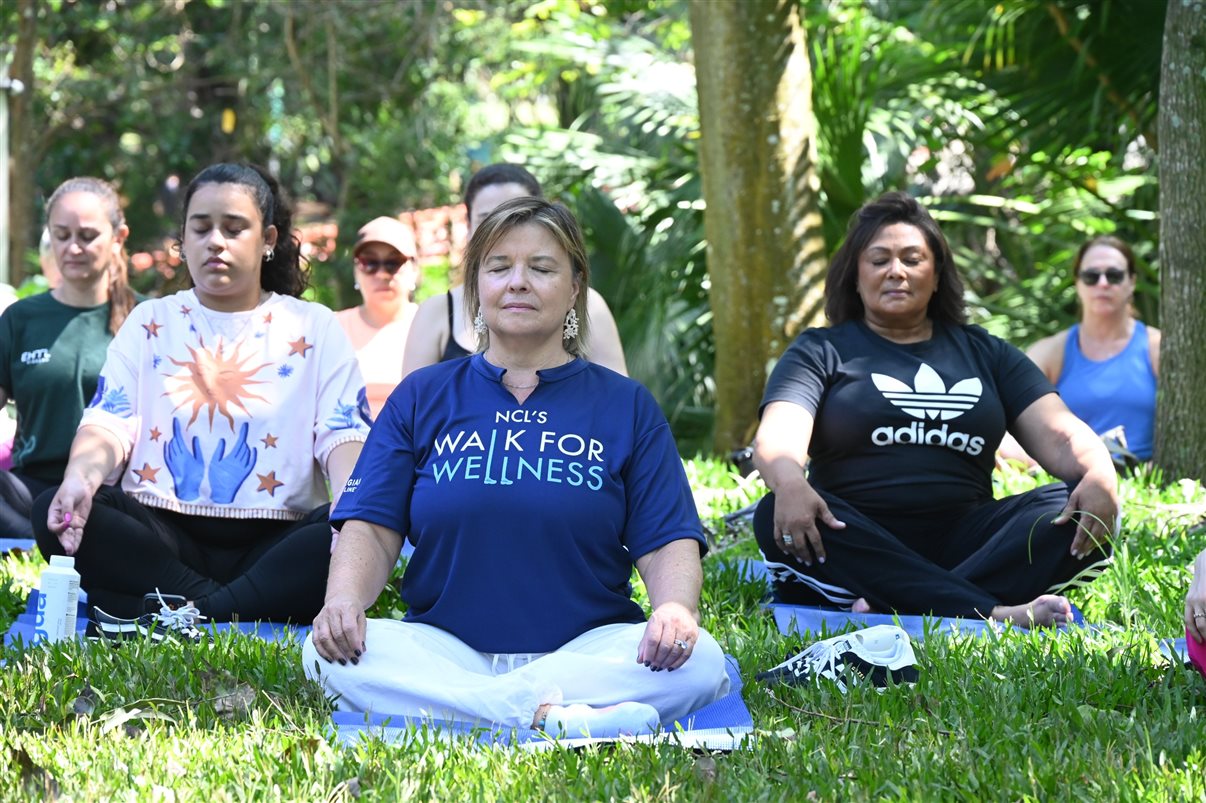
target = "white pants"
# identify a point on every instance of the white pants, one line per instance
(419, 671)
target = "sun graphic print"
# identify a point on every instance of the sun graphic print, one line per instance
(213, 381)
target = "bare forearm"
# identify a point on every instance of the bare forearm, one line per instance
(1061, 443)
(781, 473)
(362, 561)
(781, 446)
(1079, 453)
(672, 573)
(95, 452)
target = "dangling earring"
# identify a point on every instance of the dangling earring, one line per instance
(571, 325)
(479, 322)
(268, 254)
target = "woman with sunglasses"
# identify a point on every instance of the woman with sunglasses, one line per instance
(387, 274)
(1106, 366)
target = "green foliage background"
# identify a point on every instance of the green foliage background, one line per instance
(1026, 126)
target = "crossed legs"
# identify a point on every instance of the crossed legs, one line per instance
(1004, 554)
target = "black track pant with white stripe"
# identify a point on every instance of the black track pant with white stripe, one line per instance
(1003, 552)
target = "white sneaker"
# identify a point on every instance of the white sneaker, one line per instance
(882, 654)
(175, 619)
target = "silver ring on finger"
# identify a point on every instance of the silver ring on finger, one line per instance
(681, 644)
(1199, 615)
(786, 538)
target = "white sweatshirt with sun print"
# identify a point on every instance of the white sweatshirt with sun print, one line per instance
(230, 414)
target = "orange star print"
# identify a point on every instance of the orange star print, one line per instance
(269, 483)
(299, 346)
(146, 473)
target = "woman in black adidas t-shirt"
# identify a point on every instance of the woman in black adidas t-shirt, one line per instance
(900, 405)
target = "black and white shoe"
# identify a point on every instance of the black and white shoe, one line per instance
(881, 655)
(167, 617)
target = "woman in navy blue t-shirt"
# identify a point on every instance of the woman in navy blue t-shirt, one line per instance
(530, 482)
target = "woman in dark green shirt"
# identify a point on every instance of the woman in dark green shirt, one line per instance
(52, 345)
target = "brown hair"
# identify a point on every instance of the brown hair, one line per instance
(842, 302)
(121, 297)
(555, 219)
(500, 173)
(1111, 242)
(284, 273)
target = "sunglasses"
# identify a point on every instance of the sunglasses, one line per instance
(1091, 276)
(390, 266)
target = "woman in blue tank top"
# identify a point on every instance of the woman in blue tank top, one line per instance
(1106, 366)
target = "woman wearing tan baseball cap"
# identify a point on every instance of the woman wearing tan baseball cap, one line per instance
(387, 272)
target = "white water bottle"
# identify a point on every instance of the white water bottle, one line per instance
(58, 600)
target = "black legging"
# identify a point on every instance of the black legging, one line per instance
(17, 493)
(250, 569)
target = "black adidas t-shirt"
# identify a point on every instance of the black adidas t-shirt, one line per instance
(906, 428)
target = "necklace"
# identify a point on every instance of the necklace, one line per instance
(561, 361)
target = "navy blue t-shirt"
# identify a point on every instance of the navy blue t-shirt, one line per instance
(526, 519)
(906, 428)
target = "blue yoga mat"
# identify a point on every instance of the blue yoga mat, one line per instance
(818, 620)
(9, 544)
(1174, 650)
(722, 725)
(24, 628)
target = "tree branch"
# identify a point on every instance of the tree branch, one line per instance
(304, 77)
(1103, 78)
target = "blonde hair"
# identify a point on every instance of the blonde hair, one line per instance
(121, 297)
(557, 221)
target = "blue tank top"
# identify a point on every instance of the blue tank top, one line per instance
(1120, 391)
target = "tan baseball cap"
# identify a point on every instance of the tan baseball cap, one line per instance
(391, 232)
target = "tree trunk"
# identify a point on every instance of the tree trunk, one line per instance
(21, 184)
(766, 257)
(1181, 409)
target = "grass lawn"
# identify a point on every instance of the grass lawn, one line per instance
(1092, 714)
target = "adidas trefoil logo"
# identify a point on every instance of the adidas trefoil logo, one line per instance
(929, 398)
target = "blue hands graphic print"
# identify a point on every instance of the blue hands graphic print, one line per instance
(100, 391)
(228, 471)
(187, 467)
(362, 406)
(343, 417)
(111, 400)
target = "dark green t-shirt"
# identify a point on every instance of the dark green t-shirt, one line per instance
(50, 357)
